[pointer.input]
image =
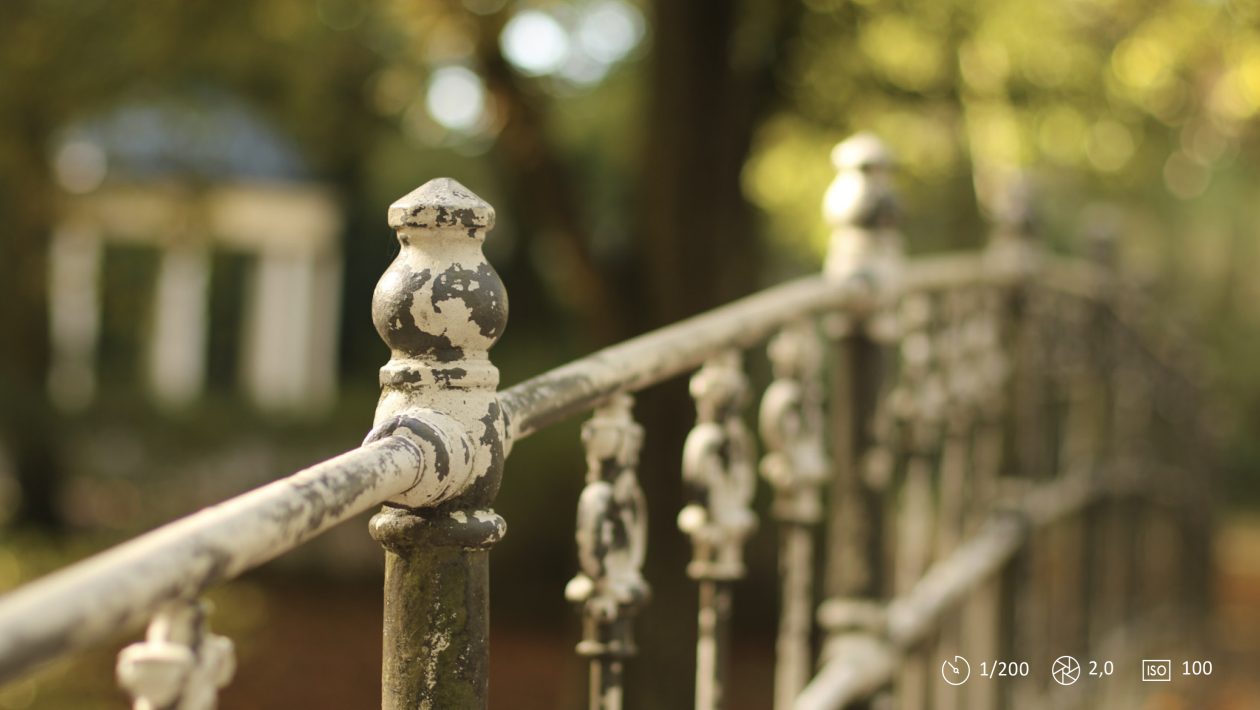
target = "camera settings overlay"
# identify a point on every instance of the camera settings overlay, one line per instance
(1068, 670)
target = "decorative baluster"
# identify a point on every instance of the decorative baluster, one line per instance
(612, 544)
(981, 613)
(796, 466)
(180, 665)
(959, 376)
(1072, 386)
(718, 465)
(918, 406)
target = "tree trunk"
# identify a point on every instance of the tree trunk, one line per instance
(28, 424)
(712, 80)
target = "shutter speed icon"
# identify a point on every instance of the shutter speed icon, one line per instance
(956, 671)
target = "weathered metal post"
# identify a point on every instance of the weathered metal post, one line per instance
(440, 307)
(861, 208)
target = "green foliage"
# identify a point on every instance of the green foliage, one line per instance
(1150, 106)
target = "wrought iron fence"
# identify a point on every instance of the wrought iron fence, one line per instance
(992, 442)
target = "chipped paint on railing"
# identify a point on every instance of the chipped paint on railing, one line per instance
(116, 591)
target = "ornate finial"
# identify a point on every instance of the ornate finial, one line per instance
(862, 193)
(440, 306)
(443, 203)
(861, 207)
(1011, 206)
(611, 532)
(718, 463)
(1008, 197)
(180, 665)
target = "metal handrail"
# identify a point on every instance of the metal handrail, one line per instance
(584, 384)
(116, 591)
(632, 365)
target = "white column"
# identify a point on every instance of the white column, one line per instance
(178, 340)
(291, 350)
(325, 340)
(265, 344)
(74, 314)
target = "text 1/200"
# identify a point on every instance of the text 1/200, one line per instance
(1003, 669)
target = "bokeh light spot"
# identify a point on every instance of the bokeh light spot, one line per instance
(535, 43)
(609, 30)
(1110, 145)
(456, 98)
(1185, 177)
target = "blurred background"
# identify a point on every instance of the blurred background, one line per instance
(192, 203)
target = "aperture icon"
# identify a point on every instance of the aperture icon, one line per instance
(1065, 670)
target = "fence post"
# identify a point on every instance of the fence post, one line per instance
(440, 307)
(861, 209)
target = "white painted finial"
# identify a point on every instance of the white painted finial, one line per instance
(861, 207)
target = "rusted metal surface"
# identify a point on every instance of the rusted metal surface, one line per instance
(439, 307)
(118, 590)
(612, 546)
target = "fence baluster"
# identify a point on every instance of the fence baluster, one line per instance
(980, 623)
(795, 465)
(959, 375)
(718, 464)
(612, 545)
(180, 665)
(917, 404)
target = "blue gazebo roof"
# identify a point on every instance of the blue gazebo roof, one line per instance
(209, 135)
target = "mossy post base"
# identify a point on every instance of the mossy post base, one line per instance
(437, 607)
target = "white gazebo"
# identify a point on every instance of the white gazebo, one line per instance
(188, 178)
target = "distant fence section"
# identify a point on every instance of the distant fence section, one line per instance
(998, 454)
